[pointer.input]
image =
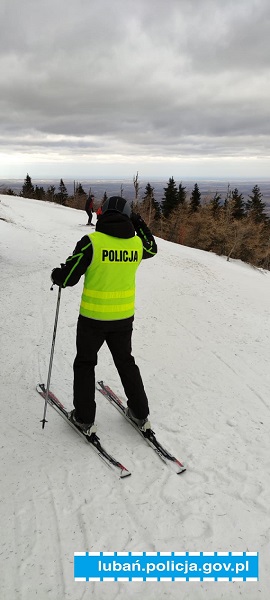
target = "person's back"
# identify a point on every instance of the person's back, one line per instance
(109, 286)
(109, 259)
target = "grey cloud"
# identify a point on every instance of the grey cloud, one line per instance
(148, 77)
(238, 40)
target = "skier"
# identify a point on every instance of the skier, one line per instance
(89, 205)
(109, 258)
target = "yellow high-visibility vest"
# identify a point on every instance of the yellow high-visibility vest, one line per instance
(109, 283)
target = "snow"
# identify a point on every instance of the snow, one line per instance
(202, 342)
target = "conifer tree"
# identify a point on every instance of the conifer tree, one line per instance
(255, 206)
(238, 205)
(79, 190)
(62, 195)
(39, 192)
(28, 190)
(215, 205)
(148, 195)
(150, 204)
(51, 193)
(182, 195)
(195, 200)
(8, 192)
(170, 199)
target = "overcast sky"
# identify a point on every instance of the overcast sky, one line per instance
(105, 88)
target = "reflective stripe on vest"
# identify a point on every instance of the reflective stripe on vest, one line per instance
(109, 283)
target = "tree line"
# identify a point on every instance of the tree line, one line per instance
(52, 193)
(176, 198)
(233, 226)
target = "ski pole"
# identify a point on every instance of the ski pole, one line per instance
(51, 359)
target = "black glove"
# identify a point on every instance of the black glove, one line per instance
(141, 228)
(136, 220)
(57, 276)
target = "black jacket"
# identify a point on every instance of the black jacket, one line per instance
(111, 223)
(89, 205)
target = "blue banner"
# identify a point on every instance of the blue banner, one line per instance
(166, 566)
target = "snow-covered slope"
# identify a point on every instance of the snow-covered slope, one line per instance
(202, 342)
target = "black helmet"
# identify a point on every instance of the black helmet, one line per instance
(117, 204)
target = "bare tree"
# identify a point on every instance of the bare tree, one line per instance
(136, 188)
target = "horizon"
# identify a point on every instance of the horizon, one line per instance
(197, 172)
(126, 178)
(125, 186)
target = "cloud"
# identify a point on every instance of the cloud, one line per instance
(146, 78)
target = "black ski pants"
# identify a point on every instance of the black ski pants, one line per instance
(90, 215)
(90, 337)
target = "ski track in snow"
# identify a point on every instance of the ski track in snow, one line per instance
(201, 340)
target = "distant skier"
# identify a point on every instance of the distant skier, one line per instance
(109, 258)
(89, 207)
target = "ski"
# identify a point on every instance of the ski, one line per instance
(148, 435)
(92, 440)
